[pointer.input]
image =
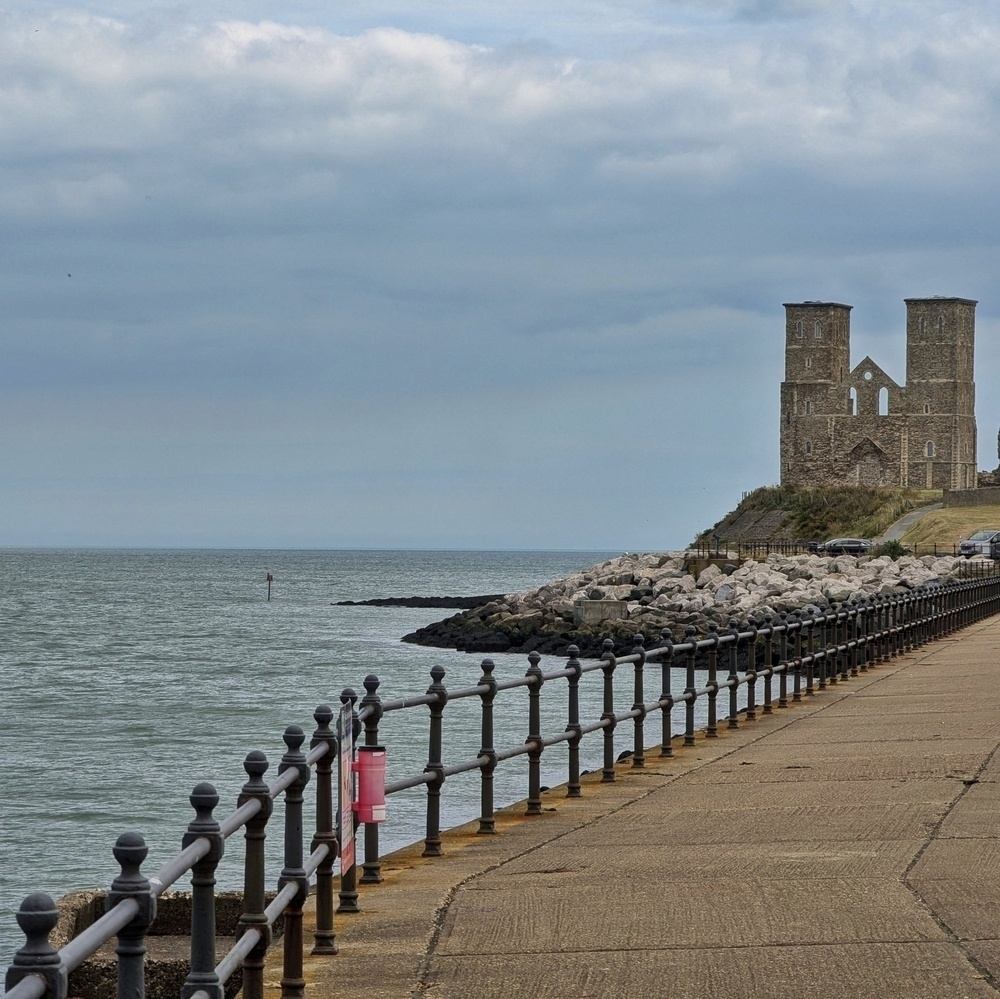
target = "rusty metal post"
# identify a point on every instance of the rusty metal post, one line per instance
(253, 917)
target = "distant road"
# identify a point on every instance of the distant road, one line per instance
(897, 530)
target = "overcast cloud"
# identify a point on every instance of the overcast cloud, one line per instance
(472, 275)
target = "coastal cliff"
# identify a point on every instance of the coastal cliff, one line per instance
(649, 592)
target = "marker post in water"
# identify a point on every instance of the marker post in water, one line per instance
(270, 580)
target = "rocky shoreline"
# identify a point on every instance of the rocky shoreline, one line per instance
(647, 593)
(463, 602)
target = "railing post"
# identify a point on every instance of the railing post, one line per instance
(732, 719)
(326, 830)
(751, 670)
(37, 918)
(667, 641)
(487, 822)
(795, 621)
(293, 983)
(534, 740)
(348, 894)
(202, 976)
(608, 714)
(752, 657)
(782, 654)
(639, 704)
(854, 634)
(253, 917)
(810, 625)
(435, 766)
(690, 691)
(712, 727)
(130, 851)
(573, 789)
(372, 866)
(821, 628)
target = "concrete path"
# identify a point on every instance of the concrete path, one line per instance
(844, 846)
(897, 530)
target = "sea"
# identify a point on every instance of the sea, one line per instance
(129, 676)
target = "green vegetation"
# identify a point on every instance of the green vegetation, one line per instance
(894, 549)
(779, 513)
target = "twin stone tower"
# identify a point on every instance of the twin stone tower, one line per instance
(855, 426)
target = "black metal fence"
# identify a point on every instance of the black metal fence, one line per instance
(751, 548)
(771, 661)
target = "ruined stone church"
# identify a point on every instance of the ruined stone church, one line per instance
(856, 426)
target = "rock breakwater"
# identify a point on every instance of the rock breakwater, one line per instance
(655, 591)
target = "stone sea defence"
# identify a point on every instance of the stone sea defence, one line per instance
(646, 593)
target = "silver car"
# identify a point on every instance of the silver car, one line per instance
(983, 542)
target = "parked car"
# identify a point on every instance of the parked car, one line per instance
(983, 542)
(847, 546)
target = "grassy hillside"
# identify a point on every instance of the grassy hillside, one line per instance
(943, 528)
(779, 513)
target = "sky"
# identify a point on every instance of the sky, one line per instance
(461, 274)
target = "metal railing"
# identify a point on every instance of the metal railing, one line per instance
(772, 661)
(719, 547)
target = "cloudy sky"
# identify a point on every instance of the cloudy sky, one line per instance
(461, 274)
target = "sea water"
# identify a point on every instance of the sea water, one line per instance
(127, 677)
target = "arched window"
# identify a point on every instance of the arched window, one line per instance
(940, 324)
(883, 401)
(854, 402)
(809, 447)
(927, 409)
(930, 449)
(808, 407)
(921, 327)
(798, 328)
(818, 331)
(809, 362)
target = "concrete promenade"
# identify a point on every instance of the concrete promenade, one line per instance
(844, 846)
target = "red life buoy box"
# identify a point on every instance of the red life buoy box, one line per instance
(370, 768)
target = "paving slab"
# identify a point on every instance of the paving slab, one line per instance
(845, 845)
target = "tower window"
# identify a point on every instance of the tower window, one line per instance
(927, 409)
(940, 324)
(930, 449)
(798, 328)
(809, 362)
(809, 447)
(883, 401)
(808, 407)
(818, 331)
(921, 326)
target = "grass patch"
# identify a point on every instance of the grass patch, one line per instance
(851, 511)
(944, 528)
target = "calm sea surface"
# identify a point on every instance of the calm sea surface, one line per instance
(129, 676)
